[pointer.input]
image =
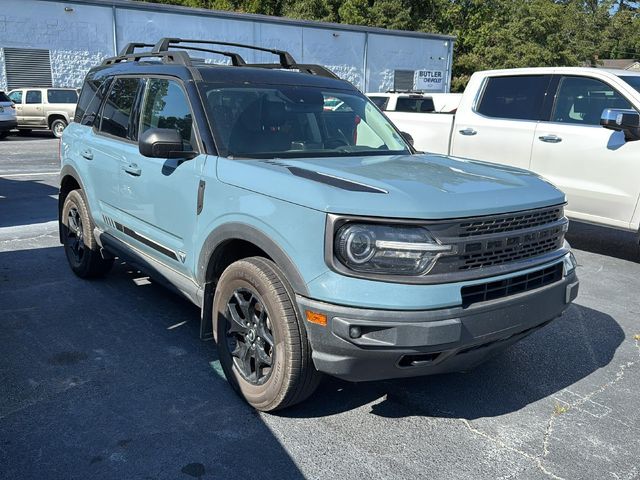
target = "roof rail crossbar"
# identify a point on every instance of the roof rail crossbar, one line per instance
(180, 58)
(236, 58)
(303, 67)
(286, 60)
(130, 48)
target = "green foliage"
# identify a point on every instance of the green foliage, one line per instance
(489, 33)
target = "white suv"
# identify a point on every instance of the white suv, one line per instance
(7, 115)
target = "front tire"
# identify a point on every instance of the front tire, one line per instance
(57, 127)
(80, 245)
(262, 345)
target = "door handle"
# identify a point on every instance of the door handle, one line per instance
(133, 169)
(468, 131)
(550, 138)
(87, 154)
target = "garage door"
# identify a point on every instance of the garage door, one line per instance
(27, 67)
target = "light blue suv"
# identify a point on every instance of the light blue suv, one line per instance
(283, 203)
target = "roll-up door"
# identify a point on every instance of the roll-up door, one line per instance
(27, 67)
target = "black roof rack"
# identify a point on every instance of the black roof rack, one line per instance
(286, 59)
(161, 51)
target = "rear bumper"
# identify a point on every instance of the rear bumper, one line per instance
(6, 125)
(394, 344)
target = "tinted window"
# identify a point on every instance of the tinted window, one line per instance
(62, 96)
(632, 80)
(417, 105)
(269, 121)
(116, 112)
(581, 100)
(519, 97)
(16, 97)
(4, 97)
(381, 102)
(166, 106)
(34, 96)
(91, 96)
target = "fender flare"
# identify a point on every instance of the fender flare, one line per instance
(243, 231)
(66, 171)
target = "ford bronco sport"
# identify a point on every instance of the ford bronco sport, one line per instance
(313, 239)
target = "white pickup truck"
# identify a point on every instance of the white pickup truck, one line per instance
(549, 120)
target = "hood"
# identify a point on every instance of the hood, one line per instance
(406, 186)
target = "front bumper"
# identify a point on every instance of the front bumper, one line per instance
(392, 344)
(6, 125)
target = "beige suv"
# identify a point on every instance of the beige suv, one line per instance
(44, 108)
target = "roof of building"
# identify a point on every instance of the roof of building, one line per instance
(619, 63)
(176, 9)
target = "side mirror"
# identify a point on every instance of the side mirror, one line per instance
(622, 120)
(407, 138)
(163, 143)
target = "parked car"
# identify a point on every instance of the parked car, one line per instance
(44, 108)
(415, 102)
(313, 240)
(550, 120)
(7, 115)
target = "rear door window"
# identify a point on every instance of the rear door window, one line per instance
(4, 97)
(118, 108)
(62, 96)
(581, 100)
(33, 96)
(514, 97)
(16, 97)
(166, 106)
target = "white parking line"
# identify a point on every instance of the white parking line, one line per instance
(28, 174)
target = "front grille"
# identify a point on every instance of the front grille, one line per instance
(503, 288)
(510, 223)
(496, 240)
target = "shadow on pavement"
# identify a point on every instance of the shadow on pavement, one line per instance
(33, 135)
(26, 202)
(604, 241)
(564, 352)
(108, 379)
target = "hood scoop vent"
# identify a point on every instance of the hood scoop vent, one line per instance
(334, 181)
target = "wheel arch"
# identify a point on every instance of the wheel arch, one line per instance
(69, 180)
(231, 242)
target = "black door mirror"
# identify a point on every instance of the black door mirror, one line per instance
(163, 143)
(622, 120)
(407, 138)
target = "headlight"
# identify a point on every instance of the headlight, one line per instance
(387, 249)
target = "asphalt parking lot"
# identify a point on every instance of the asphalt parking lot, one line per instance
(108, 379)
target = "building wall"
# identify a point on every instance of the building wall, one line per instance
(81, 37)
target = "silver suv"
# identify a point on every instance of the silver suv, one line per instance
(44, 108)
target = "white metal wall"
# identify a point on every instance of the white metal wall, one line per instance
(80, 35)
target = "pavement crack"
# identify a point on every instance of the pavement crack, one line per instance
(536, 459)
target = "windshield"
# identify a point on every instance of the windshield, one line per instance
(284, 121)
(632, 80)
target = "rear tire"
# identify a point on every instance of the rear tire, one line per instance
(80, 246)
(262, 345)
(57, 127)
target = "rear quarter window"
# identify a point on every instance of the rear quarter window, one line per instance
(381, 102)
(62, 96)
(514, 97)
(91, 96)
